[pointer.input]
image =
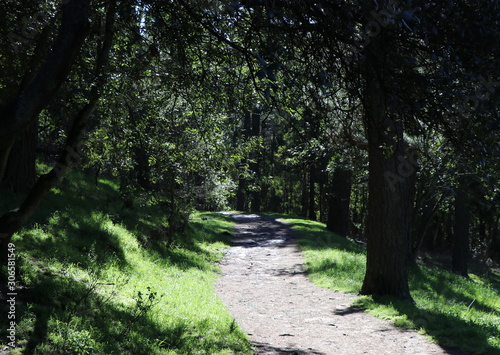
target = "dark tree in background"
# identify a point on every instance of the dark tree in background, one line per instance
(22, 110)
(461, 251)
(339, 201)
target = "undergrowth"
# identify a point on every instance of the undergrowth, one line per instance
(453, 311)
(97, 278)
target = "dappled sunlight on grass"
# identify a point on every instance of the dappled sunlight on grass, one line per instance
(92, 284)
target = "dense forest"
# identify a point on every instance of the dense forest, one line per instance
(378, 118)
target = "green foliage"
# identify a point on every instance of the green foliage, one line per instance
(168, 127)
(70, 338)
(91, 285)
(451, 310)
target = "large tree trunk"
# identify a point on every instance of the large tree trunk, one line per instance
(388, 246)
(339, 201)
(18, 113)
(20, 172)
(11, 221)
(460, 254)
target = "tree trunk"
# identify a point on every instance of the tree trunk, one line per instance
(20, 172)
(311, 213)
(304, 195)
(388, 246)
(339, 202)
(141, 170)
(255, 165)
(460, 251)
(288, 193)
(494, 246)
(323, 198)
(422, 233)
(11, 221)
(411, 179)
(240, 194)
(21, 111)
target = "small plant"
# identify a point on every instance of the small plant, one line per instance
(71, 338)
(143, 304)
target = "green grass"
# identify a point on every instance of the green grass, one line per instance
(99, 279)
(451, 310)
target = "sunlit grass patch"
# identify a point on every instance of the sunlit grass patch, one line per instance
(90, 285)
(332, 261)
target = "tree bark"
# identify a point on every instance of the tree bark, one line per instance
(240, 194)
(494, 246)
(11, 221)
(20, 172)
(18, 113)
(388, 245)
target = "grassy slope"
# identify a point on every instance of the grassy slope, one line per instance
(97, 279)
(453, 311)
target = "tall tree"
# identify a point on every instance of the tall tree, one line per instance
(20, 111)
(339, 201)
(388, 203)
(11, 221)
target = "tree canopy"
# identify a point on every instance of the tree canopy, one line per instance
(377, 117)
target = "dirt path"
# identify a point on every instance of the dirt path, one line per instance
(264, 286)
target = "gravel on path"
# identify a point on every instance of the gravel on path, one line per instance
(264, 286)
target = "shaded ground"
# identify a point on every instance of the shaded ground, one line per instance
(264, 286)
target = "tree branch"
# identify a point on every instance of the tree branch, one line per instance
(17, 114)
(13, 220)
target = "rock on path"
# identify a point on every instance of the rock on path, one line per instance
(265, 289)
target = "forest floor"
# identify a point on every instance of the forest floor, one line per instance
(266, 290)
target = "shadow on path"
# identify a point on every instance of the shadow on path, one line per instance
(262, 231)
(265, 287)
(263, 348)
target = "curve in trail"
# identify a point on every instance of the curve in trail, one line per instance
(264, 286)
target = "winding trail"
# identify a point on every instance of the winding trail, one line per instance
(264, 286)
